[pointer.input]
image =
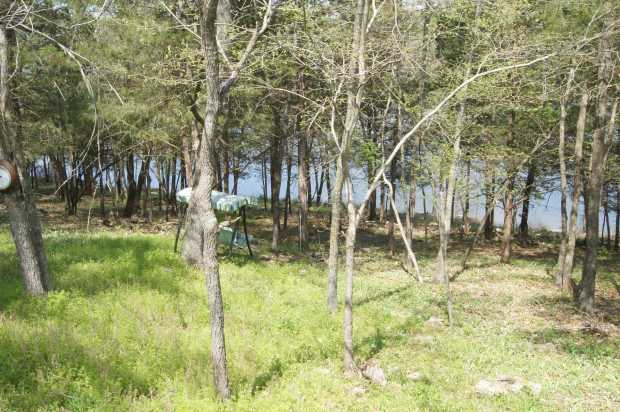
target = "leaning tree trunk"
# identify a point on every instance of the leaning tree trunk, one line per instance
(21, 208)
(600, 144)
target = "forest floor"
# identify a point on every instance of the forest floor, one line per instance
(127, 327)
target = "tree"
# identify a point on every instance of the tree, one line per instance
(23, 215)
(604, 129)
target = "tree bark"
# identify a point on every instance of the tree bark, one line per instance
(200, 210)
(334, 232)
(563, 184)
(302, 186)
(187, 159)
(349, 355)
(506, 252)
(20, 204)
(302, 175)
(600, 145)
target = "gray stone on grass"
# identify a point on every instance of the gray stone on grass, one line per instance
(505, 384)
(434, 322)
(374, 373)
(358, 390)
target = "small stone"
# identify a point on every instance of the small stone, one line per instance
(375, 374)
(415, 376)
(488, 388)
(358, 390)
(434, 322)
(535, 388)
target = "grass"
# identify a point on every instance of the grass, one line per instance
(127, 329)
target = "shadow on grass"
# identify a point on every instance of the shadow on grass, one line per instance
(562, 309)
(90, 265)
(53, 370)
(383, 295)
(592, 344)
(275, 370)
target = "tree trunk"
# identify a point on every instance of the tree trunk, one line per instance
(187, 159)
(130, 203)
(372, 201)
(559, 277)
(334, 232)
(354, 96)
(506, 252)
(20, 204)
(525, 210)
(141, 182)
(600, 144)
(200, 211)
(302, 185)
(302, 175)
(349, 356)
(466, 223)
(287, 197)
(264, 181)
(489, 201)
(276, 177)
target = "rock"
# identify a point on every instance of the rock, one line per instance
(358, 390)
(415, 376)
(505, 384)
(434, 322)
(490, 388)
(374, 373)
(424, 339)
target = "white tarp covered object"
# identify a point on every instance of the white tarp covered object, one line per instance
(220, 201)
